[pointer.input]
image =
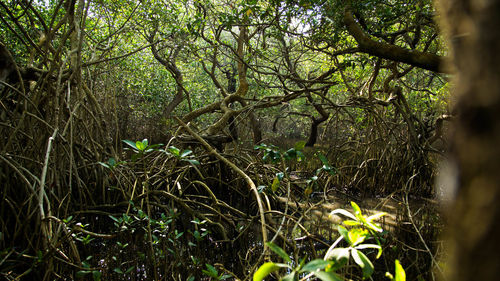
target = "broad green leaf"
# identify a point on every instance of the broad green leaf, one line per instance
(211, 271)
(343, 212)
(363, 261)
(265, 270)
(118, 270)
(141, 145)
(368, 246)
(211, 268)
(129, 269)
(400, 272)
(290, 154)
(278, 250)
(96, 274)
(351, 223)
(315, 265)
(193, 161)
(376, 216)
(208, 273)
(331, 170)
(340, 255)
(299, 145)
(357, 210)
(373, 226)
(343, 231)
(112, 162)
(174, 150)
(82, 273)
(104, 164)
(327, 276)
(186, 153)
(357, 235)
(372, 246)
(323, 159)
(275, 185)
(130, 143)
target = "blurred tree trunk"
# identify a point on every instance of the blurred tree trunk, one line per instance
(474, 33)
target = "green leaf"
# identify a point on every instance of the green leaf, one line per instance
(174, 150)
(351, 223)
(211, 271)
(278, 250)
(363, 261)
(327, 276)
(339, 255)
(315, 265)
(129, 270)
(323, 159)
(373, 226)
(186, 153)
(357, 210)
(376, 216)
(400, 272)
(265, 270)
(368, 246)
(357, 235)
(290, 154)
(343, 231)
(275, 185)
(193, 161)
(82, 273)
(141, 145)
(104, 164)
(343, 212)
(299, 145)
(96, 274)
(130, 143)
(112, 162)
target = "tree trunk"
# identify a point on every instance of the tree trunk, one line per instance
(475, 221)
(313, 134)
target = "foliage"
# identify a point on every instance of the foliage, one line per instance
(88, 77)
(361, 228)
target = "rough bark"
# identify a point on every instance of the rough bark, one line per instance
(474, 227)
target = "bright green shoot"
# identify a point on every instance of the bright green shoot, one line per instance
(361, 228)
(184, 155)
(400, 274)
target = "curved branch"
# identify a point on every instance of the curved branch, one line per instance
(367, 45)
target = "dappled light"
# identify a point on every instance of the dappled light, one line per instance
(238, 140)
